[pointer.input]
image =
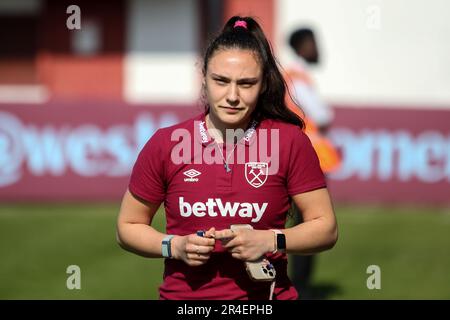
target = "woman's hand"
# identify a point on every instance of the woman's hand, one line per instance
(247, 244)
(193, 249)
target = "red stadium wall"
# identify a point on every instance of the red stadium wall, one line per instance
(85, 151)
(67, 75)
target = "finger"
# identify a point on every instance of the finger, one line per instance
(198, 256)
(200, 249)
(231, 243)
(201, 253)
(201, 241)
(237, 250)
(209, 242)
(195, 263)
(237, 255)
(225, 234)
(211, 233)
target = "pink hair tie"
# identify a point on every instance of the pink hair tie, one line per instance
(240, 23)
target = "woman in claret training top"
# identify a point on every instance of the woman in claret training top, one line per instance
(241, 162)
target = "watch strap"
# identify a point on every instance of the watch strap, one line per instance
(276, 233)
(166, 247)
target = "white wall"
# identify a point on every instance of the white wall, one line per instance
(160, 64)
(394, 52)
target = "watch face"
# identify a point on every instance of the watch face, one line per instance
(281, 241)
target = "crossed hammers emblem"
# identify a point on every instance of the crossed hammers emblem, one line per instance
(257, 175)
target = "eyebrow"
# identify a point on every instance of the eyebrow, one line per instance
(243, 80)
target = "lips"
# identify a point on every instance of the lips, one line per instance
(231, 109)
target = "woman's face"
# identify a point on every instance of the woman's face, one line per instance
(233, 83)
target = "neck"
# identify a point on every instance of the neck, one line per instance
(218, 130)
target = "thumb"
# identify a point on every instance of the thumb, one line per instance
(211, 233)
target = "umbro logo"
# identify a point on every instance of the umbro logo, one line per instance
(191, 174)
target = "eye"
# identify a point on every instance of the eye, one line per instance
(220, 82)
(246, 85)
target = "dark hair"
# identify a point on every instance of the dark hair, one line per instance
(271, 102)
(298, 37)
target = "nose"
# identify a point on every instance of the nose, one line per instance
(233, 95)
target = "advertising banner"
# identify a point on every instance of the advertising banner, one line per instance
(86, 150)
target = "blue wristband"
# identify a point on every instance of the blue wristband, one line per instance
(166, 246)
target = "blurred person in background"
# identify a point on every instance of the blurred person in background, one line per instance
(245, 93)
(303, 43)
(318, 117)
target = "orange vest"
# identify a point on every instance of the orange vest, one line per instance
(328, 155)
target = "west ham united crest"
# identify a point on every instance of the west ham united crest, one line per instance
(256, 173)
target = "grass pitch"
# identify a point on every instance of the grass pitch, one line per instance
(39, 241)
